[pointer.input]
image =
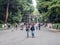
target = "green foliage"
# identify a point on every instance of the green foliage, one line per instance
(0, 26)
(54, 13)
(56, 26)
(17, 9)
(50, 10)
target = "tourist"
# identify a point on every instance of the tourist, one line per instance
(16, 25)
(22, 26)
(39, 26)
(32, 30)
(27, 29)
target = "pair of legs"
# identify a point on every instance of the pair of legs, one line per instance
(39, 27)
(32, 34)
(27, 34)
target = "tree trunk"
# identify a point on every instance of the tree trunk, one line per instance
(7, 11)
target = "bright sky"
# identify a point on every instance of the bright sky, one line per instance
(34, 3)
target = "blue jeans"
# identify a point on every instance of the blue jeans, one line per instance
(32, 34)
(27, 34)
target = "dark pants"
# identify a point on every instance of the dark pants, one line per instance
(39, 27)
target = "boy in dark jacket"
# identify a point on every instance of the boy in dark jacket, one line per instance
(32, 30)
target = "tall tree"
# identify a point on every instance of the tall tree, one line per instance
(50, 10)
(7, 8)
(15, 8)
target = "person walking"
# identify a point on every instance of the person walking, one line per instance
(27, 29)
(16, 25)
(39, 26)
(22, 26)
(32, 30)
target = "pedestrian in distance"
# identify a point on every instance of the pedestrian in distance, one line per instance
(36, 26)
(16, 25)
(39, 26)
(8, 25)
(22, 26)
(27, 29)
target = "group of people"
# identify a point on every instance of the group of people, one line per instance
(32, 27)
(28, 27)
(6, 26)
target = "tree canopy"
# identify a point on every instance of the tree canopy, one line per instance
(17, 9)
(50, 10)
